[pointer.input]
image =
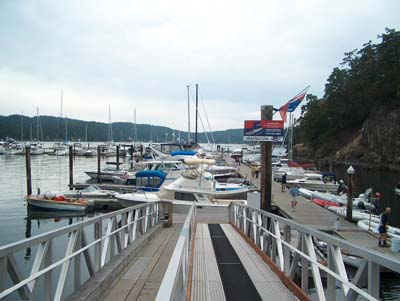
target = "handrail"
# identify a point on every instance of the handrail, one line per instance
(266, 230)
(121, 229)
(174, 284)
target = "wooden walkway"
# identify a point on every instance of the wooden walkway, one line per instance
(206, 281)
(309, 213)
(141, 279)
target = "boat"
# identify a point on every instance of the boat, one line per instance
(325, 203)
(292, 173)
(305, 193)
(392, 232)
(314, 181)
(361, 202)
(397, 190)
(112, 169)
(89, 192)
(357, 214)
(57, 203)
(145, 180)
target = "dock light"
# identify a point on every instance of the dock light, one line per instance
(349, 212)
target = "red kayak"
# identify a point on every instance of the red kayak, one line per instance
(324, 203)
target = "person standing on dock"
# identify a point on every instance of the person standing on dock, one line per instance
(283, 182)
(342, 189)
(383, 227)
(294, 193)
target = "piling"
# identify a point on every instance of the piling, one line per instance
(98, 163)
(118, 157)
(131, 153)
(266, 165)
(71, 167)
(28, 170)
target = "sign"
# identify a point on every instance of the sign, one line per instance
(263, 130)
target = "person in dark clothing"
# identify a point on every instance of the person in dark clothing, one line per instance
(342, 189)
(283, 182)
(383, 227)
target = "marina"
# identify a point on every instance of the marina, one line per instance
(140, 272)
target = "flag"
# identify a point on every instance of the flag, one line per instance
(292, 104)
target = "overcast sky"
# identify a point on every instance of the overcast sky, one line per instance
(143, 54)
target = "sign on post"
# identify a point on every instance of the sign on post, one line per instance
(263, 130)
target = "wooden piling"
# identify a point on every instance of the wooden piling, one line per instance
(118, 157)
(131, 153)
(71, 166)
(28, 170)
(98, 163)
(266, 165)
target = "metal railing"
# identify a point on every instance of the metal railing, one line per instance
(97, 240)
(174, 283)
(297, 249)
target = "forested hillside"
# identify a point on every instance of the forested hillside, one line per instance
(49, 128)
(358, 118)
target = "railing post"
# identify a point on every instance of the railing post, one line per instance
(373, 279)
(304, 265)
(77, 261)
(48, 276)
(331, 282)
(3, 272)
(97, 248)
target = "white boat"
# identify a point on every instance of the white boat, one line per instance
(57, 203)
(357, 214)
(397, 191)
(361, 202)
(305, 193)
(108, 172)
(314, 182)
(392, 232)
(89, 192)
(292, 173)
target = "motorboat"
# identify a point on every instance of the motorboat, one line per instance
(146, 180)
(112, 169)
(57, 203)
(220, 171)
(292, 173)
(172, 169)
(357, 215)
(314, 181)
(89, 192)
(191, 186)
(365, 224)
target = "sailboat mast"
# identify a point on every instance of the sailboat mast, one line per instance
(188, 99)
(134, 120)
(110, 137)
(66, 129)
(197, 109)
(22, 127)
(86, 132)
(37, 124)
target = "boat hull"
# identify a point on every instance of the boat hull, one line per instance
(55, 205)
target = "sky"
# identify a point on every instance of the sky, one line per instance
(143, 54)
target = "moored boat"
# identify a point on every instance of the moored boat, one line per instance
(57, 203)
(365, 224)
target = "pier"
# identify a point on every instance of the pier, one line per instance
(216, 252)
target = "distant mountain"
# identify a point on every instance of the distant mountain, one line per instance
(49, 128)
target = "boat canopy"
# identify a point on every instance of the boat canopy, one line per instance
(183, 153)
(151, 173)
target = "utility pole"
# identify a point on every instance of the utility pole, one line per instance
(266, 165)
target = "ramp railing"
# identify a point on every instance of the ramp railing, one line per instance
(299, 249)
(96, 240)
(174, 284)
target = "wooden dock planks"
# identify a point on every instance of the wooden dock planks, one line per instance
(141, 279)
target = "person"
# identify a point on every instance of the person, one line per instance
(253, 170)
(376, 201)
(294, 192)
(283, 182)
(342, 189)
(258, 171)
(383, 227)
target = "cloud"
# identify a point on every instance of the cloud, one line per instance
(143, 54)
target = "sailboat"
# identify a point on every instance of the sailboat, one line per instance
(37, 147)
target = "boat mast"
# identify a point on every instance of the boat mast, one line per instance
(197, 109)
(110, 137)
(22, 127)
(86, 132)
(37, 124)
(134, 120)
(188, 98)
(66, 129)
